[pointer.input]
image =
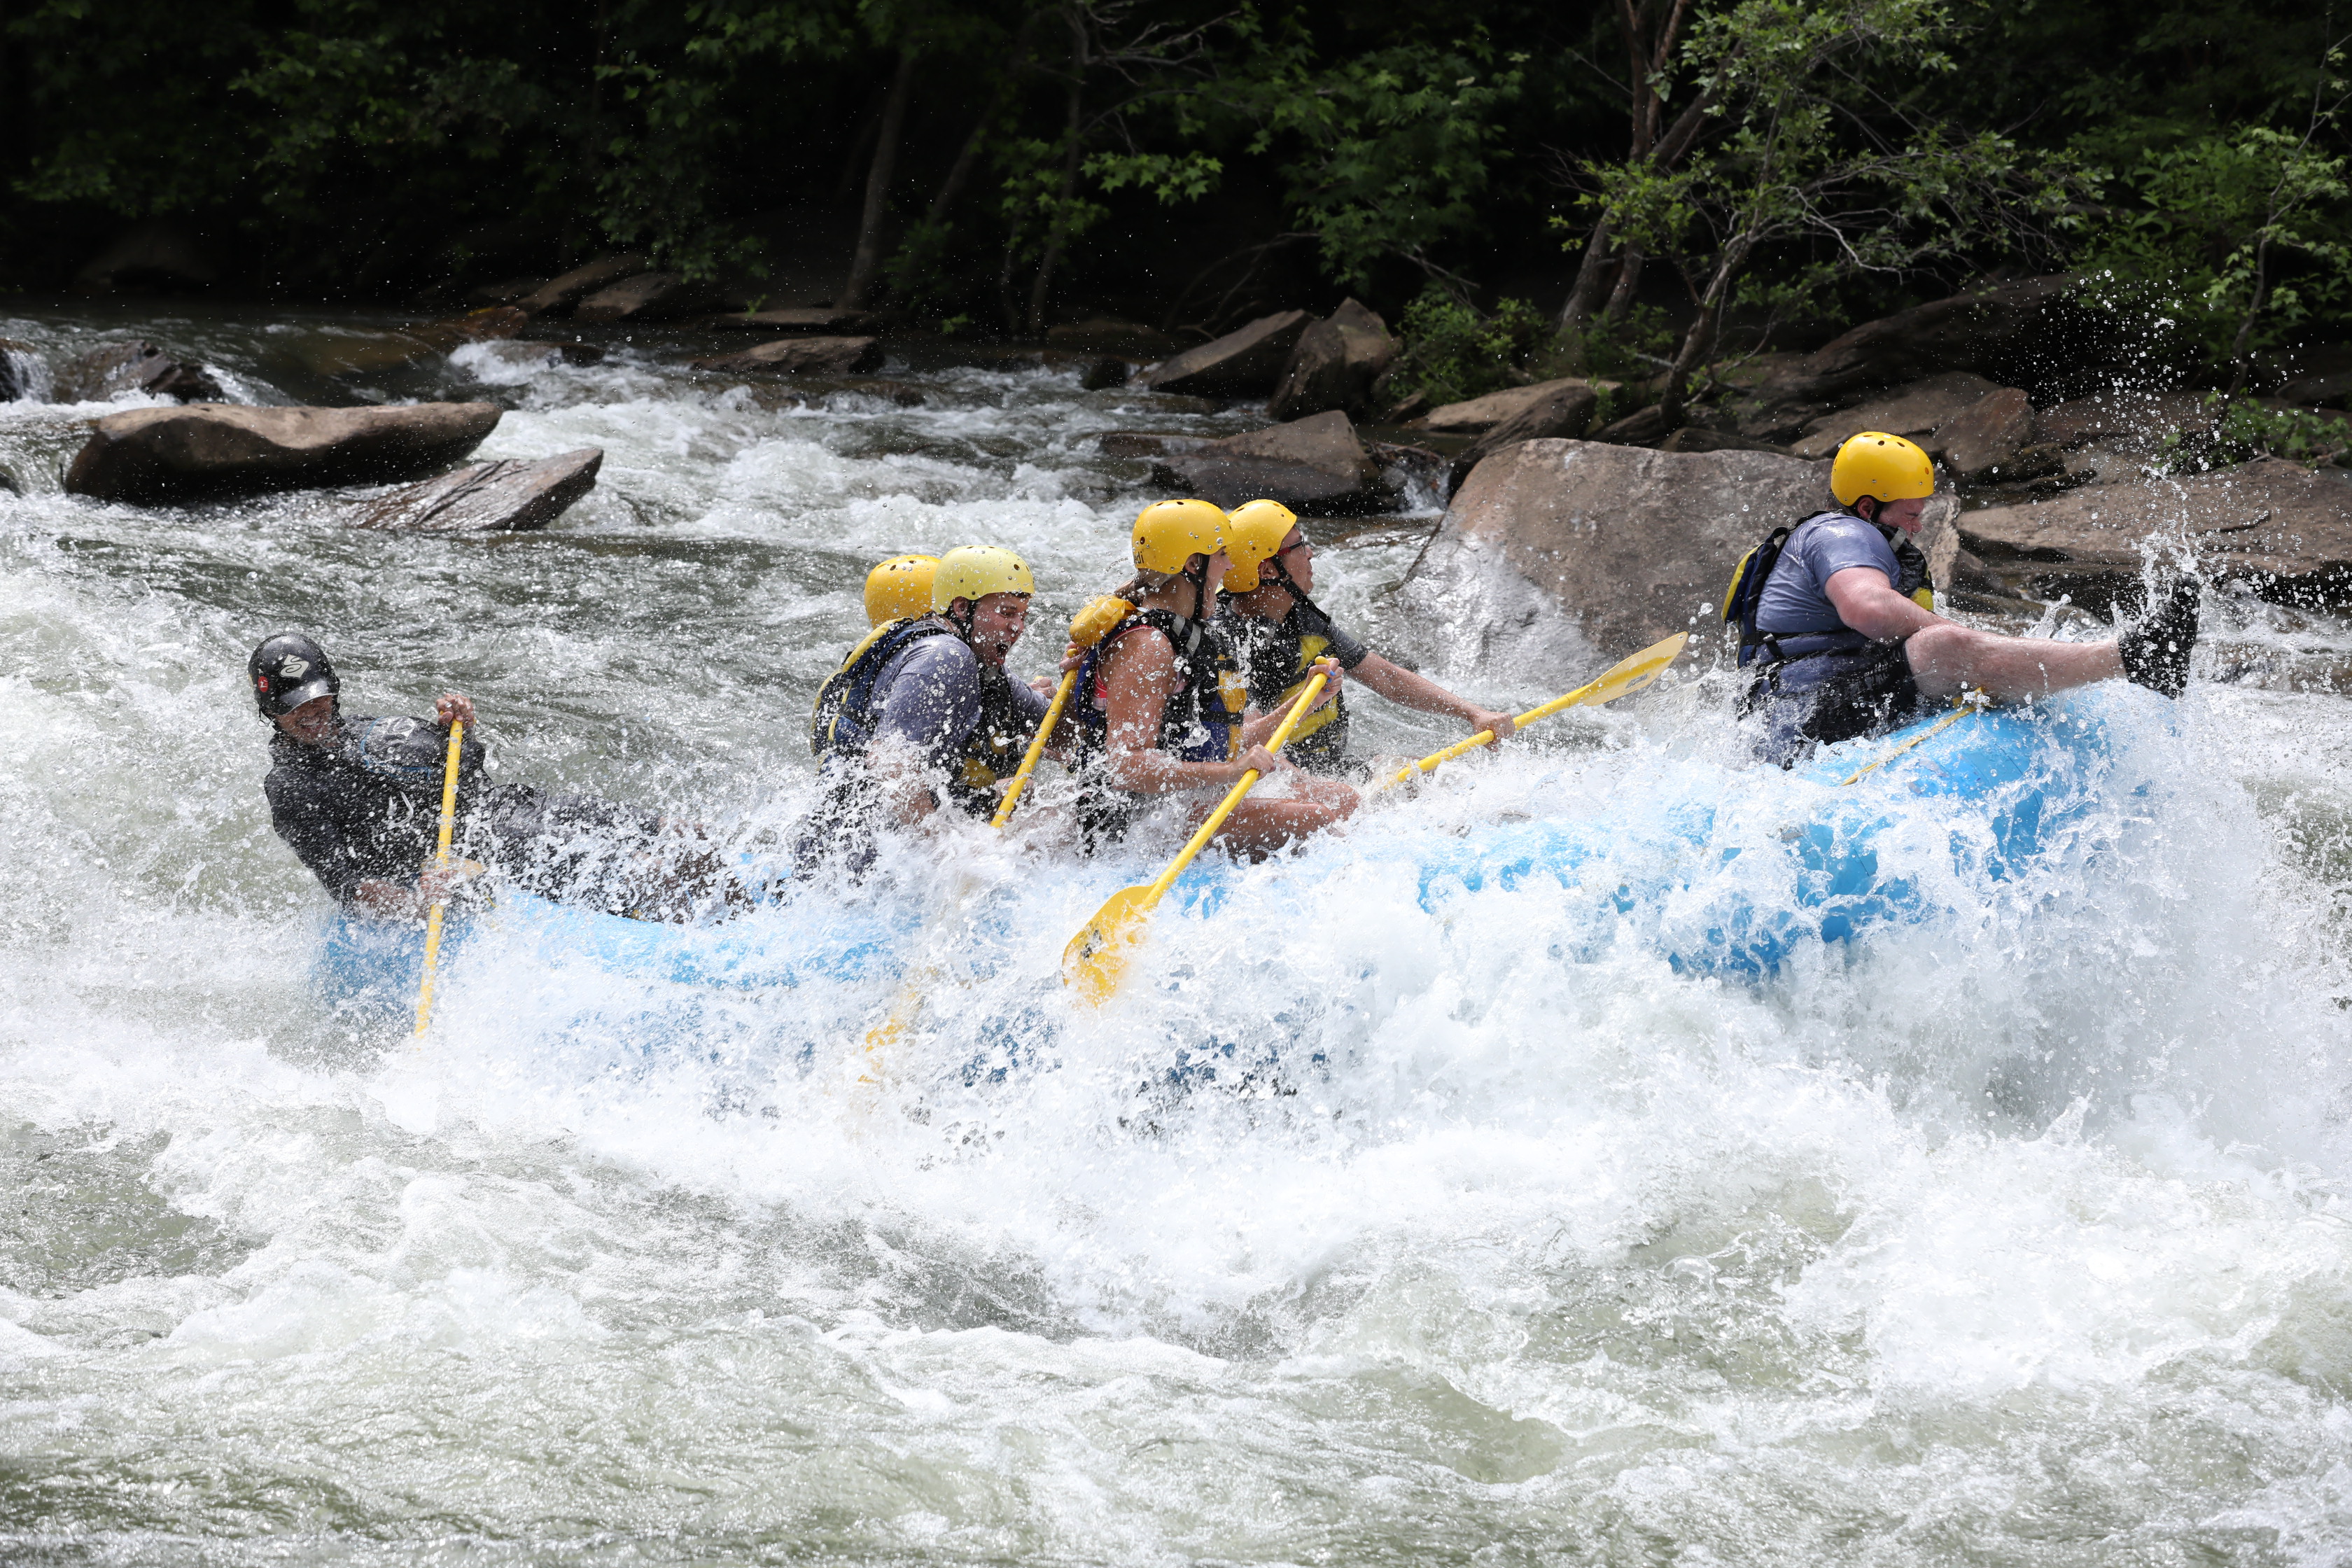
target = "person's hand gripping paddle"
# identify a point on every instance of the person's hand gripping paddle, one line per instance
(1621, 680)
(1097, 958)
(1088, 627)
(440, 863)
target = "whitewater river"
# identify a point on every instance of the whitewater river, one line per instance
(1484, 1236)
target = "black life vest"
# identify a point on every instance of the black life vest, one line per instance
(1201, 721)
(1276, 659)
(842, 720)
(1744, 594)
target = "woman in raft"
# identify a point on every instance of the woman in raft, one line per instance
(1160, 707)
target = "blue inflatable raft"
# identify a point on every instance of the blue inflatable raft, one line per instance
(1726, 886)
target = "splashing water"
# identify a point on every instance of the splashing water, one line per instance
(1395, 1227)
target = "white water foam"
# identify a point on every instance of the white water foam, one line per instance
(2015, 1235)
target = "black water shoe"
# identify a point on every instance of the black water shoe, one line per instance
(2155, 648)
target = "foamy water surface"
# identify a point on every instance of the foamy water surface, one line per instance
(1485, 1234)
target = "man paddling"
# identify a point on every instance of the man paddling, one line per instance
(358, 799)
(1834, 619)
(1278, 633)
(921, 714)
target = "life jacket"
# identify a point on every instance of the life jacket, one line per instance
(1277, 660)
(1201, 721)
(1744, 594)
(842, 720)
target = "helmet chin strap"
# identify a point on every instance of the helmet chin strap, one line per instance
(1199, 580)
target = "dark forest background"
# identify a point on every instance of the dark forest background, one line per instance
(1621, 170)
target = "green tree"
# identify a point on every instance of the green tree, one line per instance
(2245, 233)
(1813, 145)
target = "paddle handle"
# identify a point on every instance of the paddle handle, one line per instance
(1037, 750)
(440, 862)
(1242, 786)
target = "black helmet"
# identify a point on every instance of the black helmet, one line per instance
(289, 670)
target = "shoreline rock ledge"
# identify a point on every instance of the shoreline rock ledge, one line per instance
(1571, 554)
(206, 451)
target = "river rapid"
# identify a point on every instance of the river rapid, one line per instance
(2018, 1236)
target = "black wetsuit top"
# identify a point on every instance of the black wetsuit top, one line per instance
(1275, 656)
(366, 807)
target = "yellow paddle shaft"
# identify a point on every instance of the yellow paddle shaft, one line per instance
(1037, 750)
(440, 863)
(1242, 786)
(1095, 959)
(1628, 676)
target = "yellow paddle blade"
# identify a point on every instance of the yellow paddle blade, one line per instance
(891, 1029)
(1097, 958)
(1629, 676)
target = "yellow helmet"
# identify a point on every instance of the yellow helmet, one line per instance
(1885, 468)
(1170, 532)
(973, 571)
(899, 588)
(1253, 534)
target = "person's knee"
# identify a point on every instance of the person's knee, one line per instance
(1940, 650)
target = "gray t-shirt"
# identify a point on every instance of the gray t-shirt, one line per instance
(1796, 598)
(927, 699)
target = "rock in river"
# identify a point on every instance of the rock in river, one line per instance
(1334, 365)
(1575, 554)
(1480, 414)
(648, 297)
(1314, 466)
(1915, 411)
(1242, 363)
(2284, 529)
(801, 356)
(504, 493)
(212, 449)
(559, 294)
(111, 369)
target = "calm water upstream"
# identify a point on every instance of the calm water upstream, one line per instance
(2022, 1237)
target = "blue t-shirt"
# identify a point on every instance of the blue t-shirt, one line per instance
(929, 698)
(1796, 598)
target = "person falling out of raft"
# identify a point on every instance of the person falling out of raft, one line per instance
(1278, 633)
(1834, 617)
(1162, 710)
(921, 714)
(358, 799)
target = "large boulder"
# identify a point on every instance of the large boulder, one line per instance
(1315, 466)
(648, 297)
(2125, 418)
(1334, 365)
(1240, 364)
(2022, 332)
(1480, 414)
(506, 493)
(2282, 528)
(1985, 439)
(1566, 409)
(1571, 554)
(2005, 328)
(154, 257)
(801, 356)
(558, 295)
(212, 449)
(1915, 411)
(113, 369)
